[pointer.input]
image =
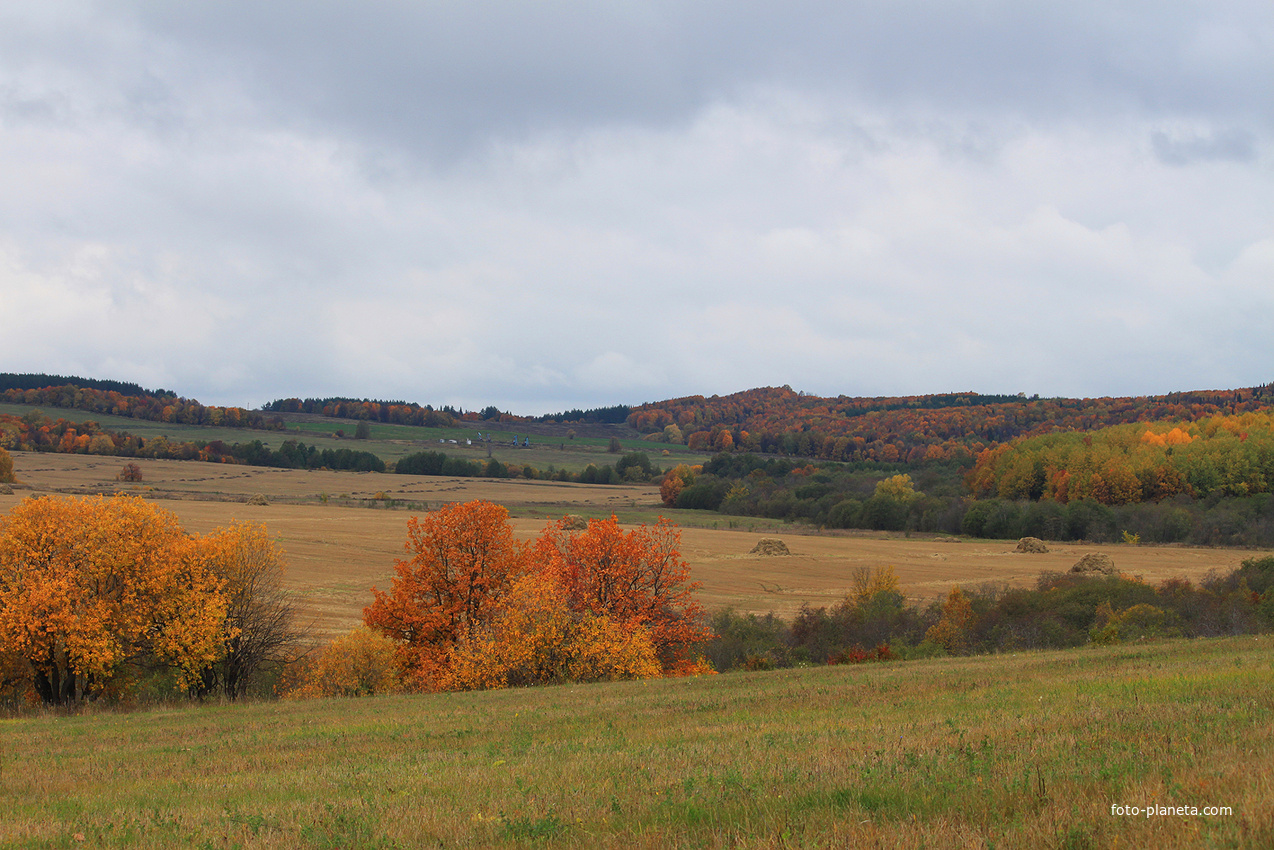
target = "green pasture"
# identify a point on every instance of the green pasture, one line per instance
(1019, 751)
(391, 442)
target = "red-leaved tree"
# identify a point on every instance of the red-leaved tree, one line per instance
(637, 579)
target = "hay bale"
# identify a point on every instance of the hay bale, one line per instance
(770, 546)
(574, 522)
(5, 489)
(1095, 562)
(258, 499)
(1033, 545)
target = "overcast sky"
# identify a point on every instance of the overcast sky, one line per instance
(543, 205)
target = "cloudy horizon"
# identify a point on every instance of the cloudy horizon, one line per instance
(567, 204)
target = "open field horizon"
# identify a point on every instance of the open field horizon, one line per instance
(342, 531)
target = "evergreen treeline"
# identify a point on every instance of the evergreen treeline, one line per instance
(35, 381)
(393, 412)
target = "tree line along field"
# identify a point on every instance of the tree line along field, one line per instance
(550, 445)
(1032, 750)
(342, 532)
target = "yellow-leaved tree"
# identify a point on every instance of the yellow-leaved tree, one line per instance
(93, 589)
(535, 638)
(361, 663)
(951, 632)
(260, 630)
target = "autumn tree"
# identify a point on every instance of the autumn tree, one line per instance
(463, 561)
(91, 588)
(260, 629)
(675, 480)
(6, 468)
(866, 582)
(360, 663)
(535, 638)
(951, 632)
(637, 579)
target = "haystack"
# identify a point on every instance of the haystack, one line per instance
(258, 499)
(5, 490)
(574, 522)
(770, 546)
(1033, 545)
(1095, 562)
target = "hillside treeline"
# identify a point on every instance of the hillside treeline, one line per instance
(145, 406)
(1226, 455)
(35, 381)
(392, 412)
(911, 430)
(632, 467)
(1063, 610)
(36, 432)
(934, 499)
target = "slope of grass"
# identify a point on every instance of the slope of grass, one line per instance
(1030, 750)
(391, 442)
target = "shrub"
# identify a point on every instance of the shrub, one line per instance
(361, 663)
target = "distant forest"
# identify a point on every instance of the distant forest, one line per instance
(34, 381)
(1192, 466)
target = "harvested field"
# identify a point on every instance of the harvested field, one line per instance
(339, 547)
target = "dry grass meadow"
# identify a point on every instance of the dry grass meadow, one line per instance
(342, 532)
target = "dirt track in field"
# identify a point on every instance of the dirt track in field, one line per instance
(337, 550)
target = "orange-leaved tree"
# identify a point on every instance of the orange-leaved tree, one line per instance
(92, 588)
(463, 561)
(534, 638)
(636, 579)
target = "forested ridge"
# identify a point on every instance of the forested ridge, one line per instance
(768, 420)
(911, 429)
(1192, 466)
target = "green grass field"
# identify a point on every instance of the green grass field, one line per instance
(1030, 750)
(391, 442)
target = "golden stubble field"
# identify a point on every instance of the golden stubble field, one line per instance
(341, 539)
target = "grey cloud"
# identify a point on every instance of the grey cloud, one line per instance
(443, 78)
(1187, 148)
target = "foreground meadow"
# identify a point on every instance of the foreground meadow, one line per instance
(1031, 750)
